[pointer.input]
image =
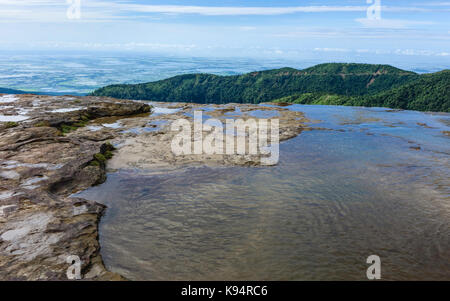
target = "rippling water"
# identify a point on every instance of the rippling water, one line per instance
(365, 181)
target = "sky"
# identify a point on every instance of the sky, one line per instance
(260, 28)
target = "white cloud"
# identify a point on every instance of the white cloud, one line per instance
(332, 49)
(414, 52)
(120, 6)
(419, 52)
(407, 52)
(101, 9)
(436, 4)
(390, 23)
(95, 10)
(31, 2)
(113, 46)
(235, 11)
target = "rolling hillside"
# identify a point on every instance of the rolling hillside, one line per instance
(255, 87)
(431, 92)
(333, 84)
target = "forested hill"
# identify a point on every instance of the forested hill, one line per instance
(431, 92)
(255, 87)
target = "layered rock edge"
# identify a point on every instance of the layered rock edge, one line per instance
(42, 164)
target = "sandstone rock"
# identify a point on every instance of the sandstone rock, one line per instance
(40, 225)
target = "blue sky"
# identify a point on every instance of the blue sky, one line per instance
(286, 28)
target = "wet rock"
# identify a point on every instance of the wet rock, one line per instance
(152, 149)
(424, 125)
(40, 166)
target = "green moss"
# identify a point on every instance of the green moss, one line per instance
(99, 160)
(94, 163)
(109, 146)
(11, 124)
(65, 128)
(80, 124)
(108, 155)
(85, 117)
(100, 157)
(42, 123)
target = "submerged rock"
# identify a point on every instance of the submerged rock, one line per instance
(62, 148)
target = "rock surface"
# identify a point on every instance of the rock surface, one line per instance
(54, 146)
(40, 225)
(149, 147)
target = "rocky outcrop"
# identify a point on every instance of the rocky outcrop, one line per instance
(151, 148)
(42, 163)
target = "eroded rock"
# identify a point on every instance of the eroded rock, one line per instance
(41, 163)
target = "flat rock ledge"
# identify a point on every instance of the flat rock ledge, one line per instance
(41, 165)
(52, 147)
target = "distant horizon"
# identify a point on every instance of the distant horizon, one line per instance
(258, 28)
(407, 62)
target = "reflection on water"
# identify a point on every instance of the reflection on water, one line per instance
(336, 197)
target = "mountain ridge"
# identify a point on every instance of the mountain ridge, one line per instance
(261, 86)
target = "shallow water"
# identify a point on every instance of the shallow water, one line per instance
(365, 181)
(161, 111)
(13, 118)
(8, 98)
(65, 110)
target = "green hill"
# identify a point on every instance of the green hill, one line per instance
(335, 84)
(431, 92)
(255, 87)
